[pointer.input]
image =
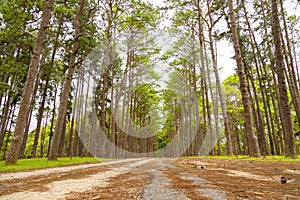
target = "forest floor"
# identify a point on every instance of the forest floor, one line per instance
(161, 179)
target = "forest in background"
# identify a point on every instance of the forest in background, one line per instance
(50, 78)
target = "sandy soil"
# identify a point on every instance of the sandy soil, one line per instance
(183, 178)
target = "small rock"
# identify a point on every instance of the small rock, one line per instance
(283, 180)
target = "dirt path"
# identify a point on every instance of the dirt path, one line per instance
(242, 179)
(157, 179)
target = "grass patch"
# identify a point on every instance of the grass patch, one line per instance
(265, 159)
(38, 163)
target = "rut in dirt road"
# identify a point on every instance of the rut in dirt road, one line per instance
(162, 187)
(159, 187)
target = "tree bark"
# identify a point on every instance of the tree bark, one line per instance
(203, 71)
(219, 85)
(39, 121)
(198, 140)
(213, 132)
(258, 120)
(44, 95)
(61, 148)
(9, 131)
(52, 120)
(252, 139)
(42, 141)
(26, 132)
(291, 66)
(261, 127)
(274, 95)
(72, 126)
(287, 124)
(15, 145)
(4, 120)
(67, 86)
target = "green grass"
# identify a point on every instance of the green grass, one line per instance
(266, 159)
(37, 163)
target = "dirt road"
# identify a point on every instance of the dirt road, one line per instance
(157, 179)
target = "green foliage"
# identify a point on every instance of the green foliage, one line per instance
(140, 15)
(162, 139)
(171, 112)
(4, 148)
(16, 42)
(146, 99)
(63, 9)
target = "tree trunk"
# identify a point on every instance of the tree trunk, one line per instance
(258, 59)
(290, 66)
(39, 121)
(36, 87)
(70, 147)
(203, 71)
(9, 131)
(4, 120)
(61, 148)
(259, 122)
(5, 79)
(52, 120)
(42, 141)
(213, 132)
(287, 124)
(15, 145)
(219, 85)
(44, 95)
(25, 137)
(252, 139)
(11, 116)
(80, 122)
(67, 86)
(111, 119)
(198, 140)
(7, 102)
(274, 95)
